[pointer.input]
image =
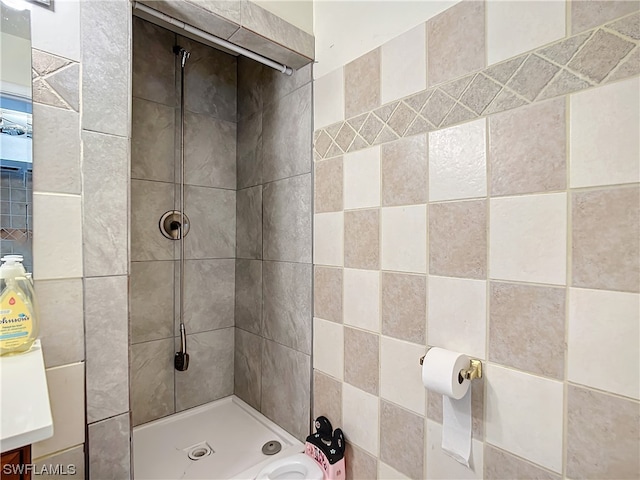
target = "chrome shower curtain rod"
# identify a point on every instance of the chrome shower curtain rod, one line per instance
(210, 38)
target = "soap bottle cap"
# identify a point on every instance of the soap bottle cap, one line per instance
(11, 259)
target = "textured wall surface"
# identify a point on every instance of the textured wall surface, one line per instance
(157, 389)
(489, 208)
(273, 266)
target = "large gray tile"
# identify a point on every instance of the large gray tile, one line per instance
(248, 315)
(250, 86)
(286, 293)
(154, 63)
(286, 386)
(105, 173)
(287, 131)
(209, 287)
(248, 367)
(210, 81)
(210, 373)
(149, 201)
(221, 18)
(106, 343)
(249, 151)
(274, 28)
(212, 212)
(249, 223)
(276, 85)
(209, 151)
(151, 300)
(286, 230)
(106, 55)
(152, 370)
(56, 150)
(73, 456)
(361, 359)
(153, 156)
(265, 47)
(61, 321)
(109, 449)
(499, 465)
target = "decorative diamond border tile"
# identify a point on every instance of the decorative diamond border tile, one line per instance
(567, 66)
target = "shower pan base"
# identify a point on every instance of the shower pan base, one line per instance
(221, 440)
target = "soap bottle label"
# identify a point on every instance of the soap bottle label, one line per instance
(16, 323)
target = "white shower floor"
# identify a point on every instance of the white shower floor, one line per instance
(235, 431)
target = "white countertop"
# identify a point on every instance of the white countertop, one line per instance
(25, 412)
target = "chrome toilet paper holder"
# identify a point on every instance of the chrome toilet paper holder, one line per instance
(474, 371)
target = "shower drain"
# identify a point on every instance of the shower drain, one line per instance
(199, 451)
(271, 447)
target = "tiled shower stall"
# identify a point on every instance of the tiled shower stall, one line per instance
(248, 252)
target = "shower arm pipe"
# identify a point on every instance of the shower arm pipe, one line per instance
(213, 39)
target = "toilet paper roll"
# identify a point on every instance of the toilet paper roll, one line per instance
(441, 370)
(441, 374)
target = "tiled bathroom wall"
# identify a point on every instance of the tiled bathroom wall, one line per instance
(157, 389)
(477, 189)
(273, 268)
(80, 244)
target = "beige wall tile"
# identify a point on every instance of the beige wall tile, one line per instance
(57, 252)
(458, 305)
(328, 185)
(362, 239)
(402, 442)
(536, 436)
(404, 238)
(362, 84)
(456, 42)
(362, 178)
(442, 466)
(362, 299)
(604, 142)
(328, 99)
(405, 171)
(526, 328)
(327, 298)
(400, 374)
(361, 359)
(603, 436)
(57, 143)
(327, 398)
(453, 254)
(586, 14)
(385, 472)
(360, 418)
(500, 465)
(528, 149)
(457, 162)
(529, 238)
(74, 456)
(61, 321)
(404, 69)
(605, 231)
(359, 464)
(517, 27)
(404, 305)
(603, 350)
(328, 348)
(66, 395)
(328, 239)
